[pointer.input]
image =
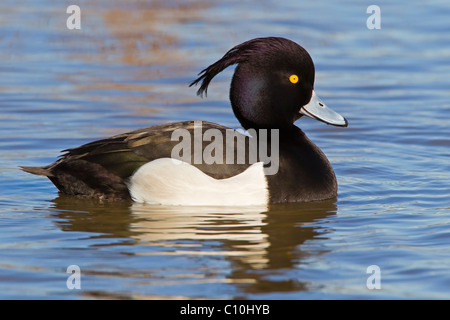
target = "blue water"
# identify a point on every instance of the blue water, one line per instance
(129, 66)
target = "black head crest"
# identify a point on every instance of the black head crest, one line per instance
(238, 54)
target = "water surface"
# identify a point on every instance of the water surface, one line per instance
(129, 66)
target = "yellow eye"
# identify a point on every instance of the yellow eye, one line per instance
(293, 78)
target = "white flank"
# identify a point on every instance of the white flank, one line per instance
(173, 182)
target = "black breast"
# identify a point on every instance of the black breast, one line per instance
(304, 174)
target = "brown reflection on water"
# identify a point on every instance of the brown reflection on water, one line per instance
(143, 34)
(130, 32)
(258, 242)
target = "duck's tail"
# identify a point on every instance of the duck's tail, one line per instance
(40, 171)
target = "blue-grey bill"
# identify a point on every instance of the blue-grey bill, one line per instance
(316, 109)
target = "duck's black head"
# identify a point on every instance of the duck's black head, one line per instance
(272, 86)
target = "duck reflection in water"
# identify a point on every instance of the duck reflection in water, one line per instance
(264, 239)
